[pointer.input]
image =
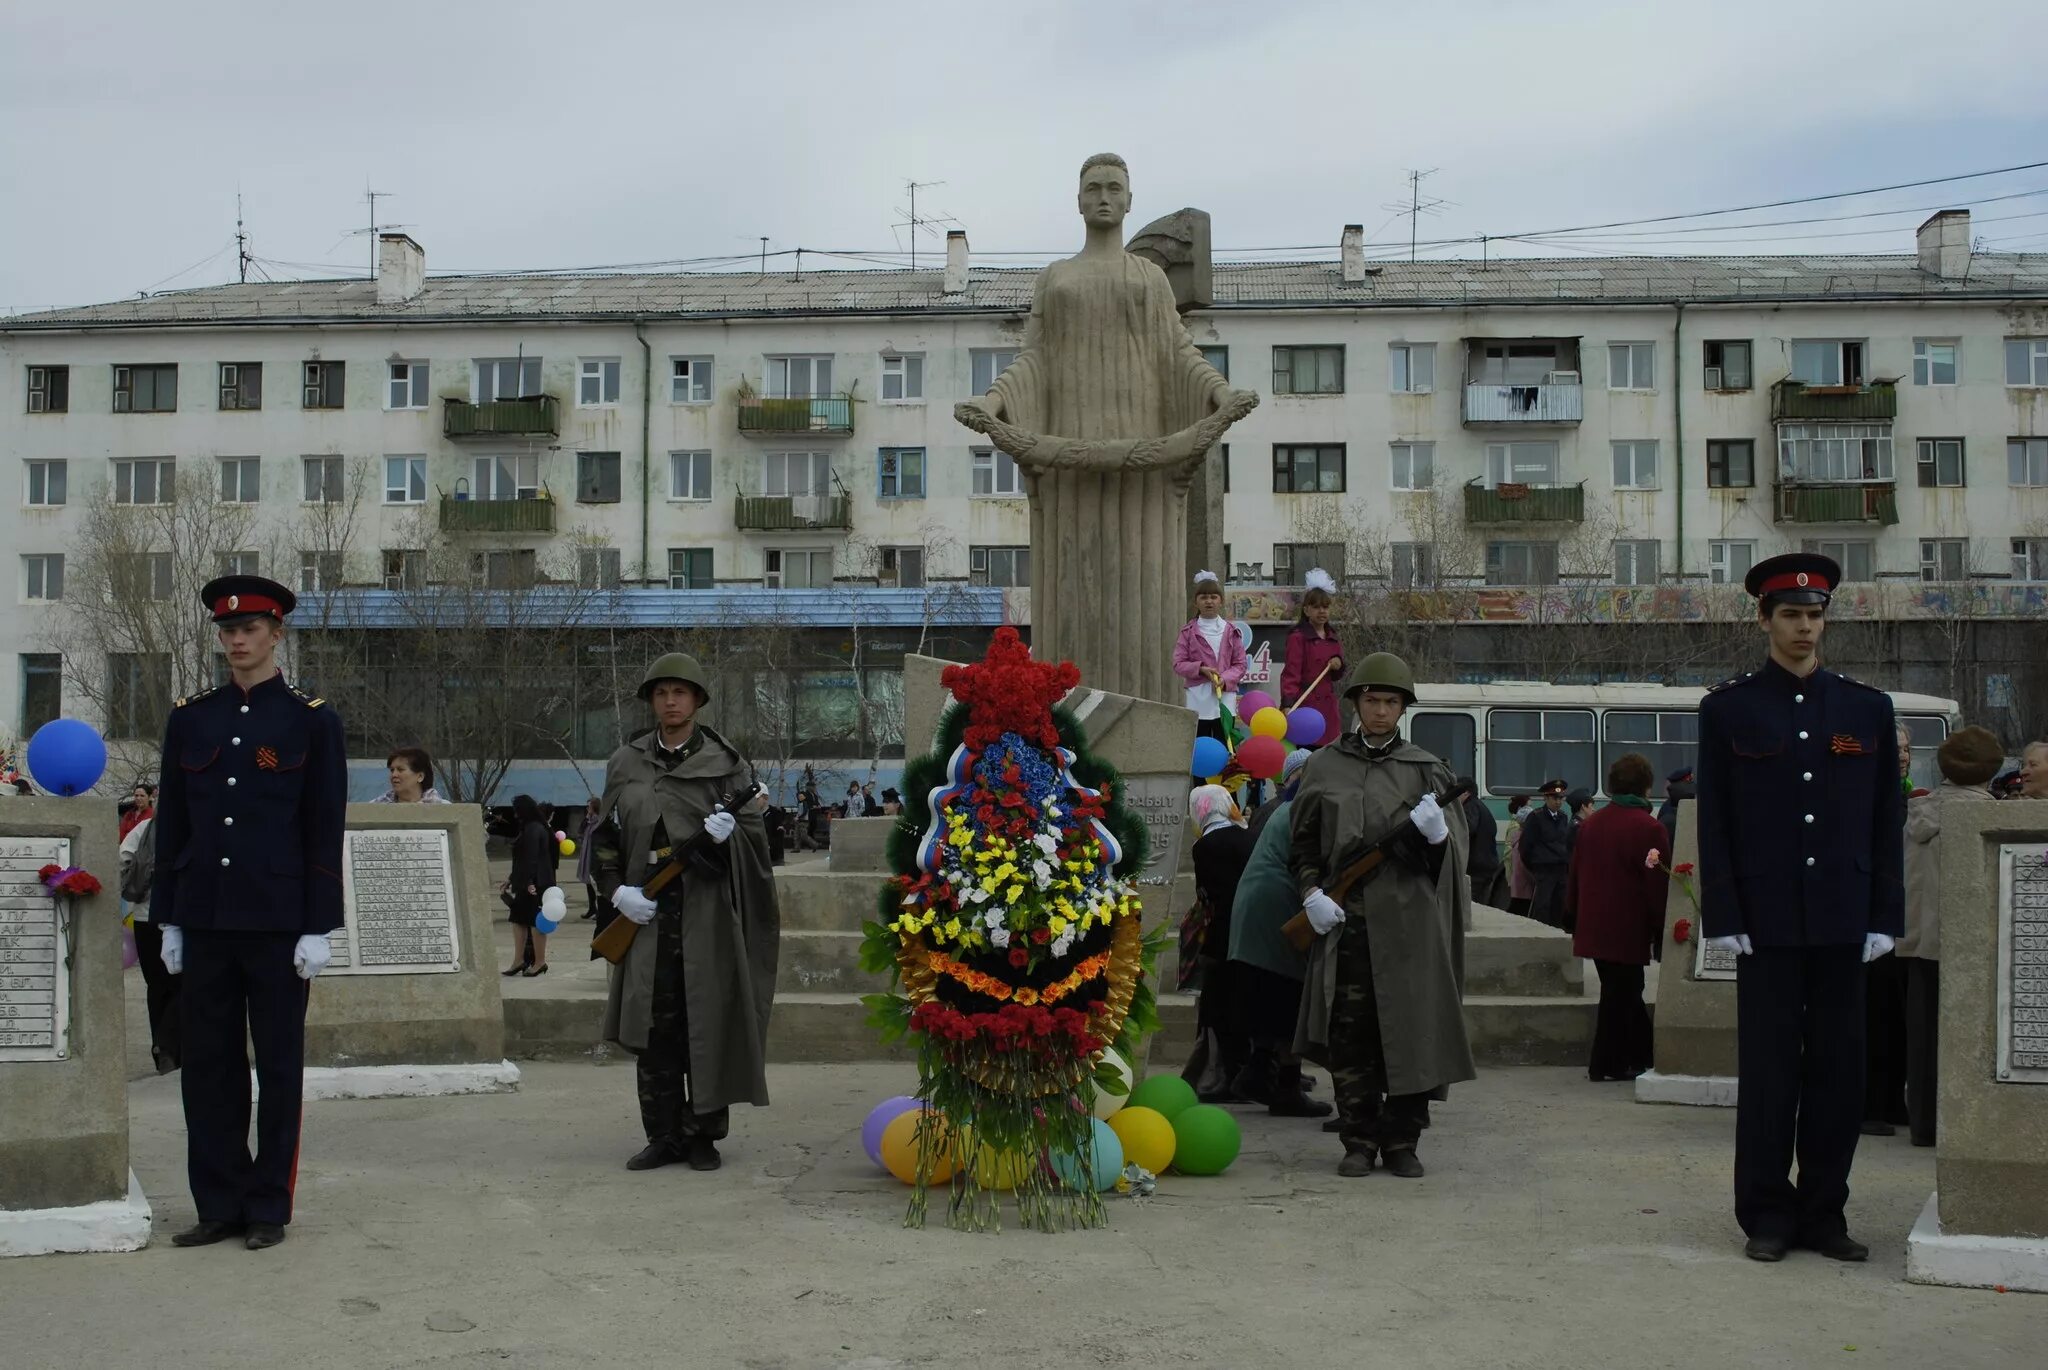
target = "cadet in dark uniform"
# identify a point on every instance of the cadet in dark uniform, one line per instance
(1802, 875)
(248, 886)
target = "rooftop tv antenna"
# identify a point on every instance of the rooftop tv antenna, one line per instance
(374, 228)
(935, 225)
(1415, 206)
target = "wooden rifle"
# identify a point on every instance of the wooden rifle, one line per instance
(1300, 933)
(617, 938)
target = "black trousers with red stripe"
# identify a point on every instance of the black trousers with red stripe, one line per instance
(241, 987)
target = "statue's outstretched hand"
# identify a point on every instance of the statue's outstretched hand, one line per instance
(976, 413)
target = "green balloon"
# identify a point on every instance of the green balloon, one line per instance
(1206, 1140)
(1167, 1095)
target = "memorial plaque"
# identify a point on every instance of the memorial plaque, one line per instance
(35, 989)
(1163, 802)
(399, 899)
(2022, 964)
(1711, 963)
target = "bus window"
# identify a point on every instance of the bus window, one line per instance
(1451, 738)
(1525, 747)
(1929, 732)
(1667, 740)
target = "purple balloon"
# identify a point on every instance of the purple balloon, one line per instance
(1305, 726)
(883, 1114)
(1250, 704)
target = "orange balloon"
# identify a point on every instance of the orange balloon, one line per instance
(904, 1138)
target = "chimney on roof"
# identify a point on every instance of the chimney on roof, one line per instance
(1945, 245)
(1353, 243)
(401, 268)
(956, 260)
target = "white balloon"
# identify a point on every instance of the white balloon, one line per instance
(1106, 1103)
(553, 902)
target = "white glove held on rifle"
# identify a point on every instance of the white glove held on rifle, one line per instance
(1428, 818)
(1323, 911)
(719, 826)
(635, 906)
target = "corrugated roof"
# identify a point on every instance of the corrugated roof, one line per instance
(1239, 285)
(727, 606)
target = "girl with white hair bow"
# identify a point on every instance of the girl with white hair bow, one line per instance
(1209, 657)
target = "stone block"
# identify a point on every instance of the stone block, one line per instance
(1695, 1017)
(860, 846)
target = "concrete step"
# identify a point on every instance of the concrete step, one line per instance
(1508, 954)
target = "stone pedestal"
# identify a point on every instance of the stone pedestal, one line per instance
(1987, 1223)
(410, 1004)
(1695, 1001)
(64, 1178)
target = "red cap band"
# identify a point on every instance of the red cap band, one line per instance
(228, 605)
(1795, 580)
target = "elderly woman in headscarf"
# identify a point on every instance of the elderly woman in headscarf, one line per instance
(1220, 854)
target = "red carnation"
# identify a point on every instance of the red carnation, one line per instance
(1682, 868)
(1040, 936)
(1681, 931)
(43, 875)
(1019, 957)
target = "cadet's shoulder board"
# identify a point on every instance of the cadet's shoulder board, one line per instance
(194, 699)
(1857, 683)
(1732, 680)
(311, 701)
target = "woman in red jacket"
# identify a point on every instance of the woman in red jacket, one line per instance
(1616, 885)
(1311, 647)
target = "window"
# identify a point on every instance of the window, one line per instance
(140, 575)
(49, 389)
(1731, 463)
(320, 386)
(797, 378)
(1934, 361)
(1525, 747)
(241, 385)
(507, 570)
(1414, 465)
(1412, 565)
(138, 689)
(2030, 558)
(1223, 464)
(506, 378)
(1006, 566)
(1526, 363)
(407, 388)
(1635, 465)
(1218, 359)
(508, 477)
(42, 689)
(1308, 370)
(1666, 740)
(1835, 451)
(597, 383)
(1856, 556)
(1631, 366)
(42, 576)
(1635, 561)
(1729, 560)
(903, 567)
(689, 475)
(689, 380)
(241, 480)
(901, 473)
(996, 474)
(987, 363)
(323, 480)
(1944, 559)
(1411, 368)
(1521, 463)
(1450, 738)
(1292, 561)
(2026, 461)
(791, 474)
(404, 570)
(1827, 361)
(146, 480)
(902, 379)
(236, 564)
(46, 482)
(597, 568)
(405, 480)
(145, 389)
(807, 568)
(689, 568)
(1941, 461)
(2026, 361)
(319, 570)
(1726, 366)
(1303, 469)
(1521, 563)
(597, 478)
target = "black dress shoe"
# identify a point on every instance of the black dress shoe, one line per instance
(1766, 1248)
(704, 1154)
(663, 1152)
(1840, 1247)
(1402, 1163)
(1334, 1125)
(204, 1233)
(1299, 1106)
(263, 1235)
(1919, 1140)
(1878, 1127)
(516, 970)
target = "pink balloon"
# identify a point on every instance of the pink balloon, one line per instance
(1250, 704)
(561, 836)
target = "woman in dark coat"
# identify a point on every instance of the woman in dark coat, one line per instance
(532, 872)
(1220, 855)
(1616, 886)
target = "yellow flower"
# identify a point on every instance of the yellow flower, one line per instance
(952, 928)
(1016, 893)
(1059, 926)
(988, 884)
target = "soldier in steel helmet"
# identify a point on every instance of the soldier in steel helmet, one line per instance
(1383, 1003)
(691, 997)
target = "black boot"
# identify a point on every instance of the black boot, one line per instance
(1255, 1083)
(1402, 1162)
(660, 1152)
(1289, 1100)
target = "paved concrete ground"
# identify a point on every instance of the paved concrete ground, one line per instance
(1561, 1225)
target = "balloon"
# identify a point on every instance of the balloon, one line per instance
(1305, 726)
(67, 757)
(561, 836)
(1107, 1104)
(1106, 1164)
(129, 956)
(903, 1137)
(1147, 1138)
(1210, 757)
(1205, 1140)
(1249, 705)
(568, 847)
(1262, 757)
(996, 1169)
(554, 907)
(879, 1117)
(1269, 722)
(1166, 1095)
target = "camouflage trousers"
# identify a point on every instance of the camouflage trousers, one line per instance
(663, 1069)
(1370, 1117)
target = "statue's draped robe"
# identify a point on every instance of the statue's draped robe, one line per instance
(1106, 357)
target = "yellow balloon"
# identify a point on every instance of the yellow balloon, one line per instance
(568, 846)
(1147, 1136)
(1267, 722)
(901, 1140)
(996, 1169)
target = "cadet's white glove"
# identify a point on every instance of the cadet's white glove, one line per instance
(311, 955)
(719, 826)
(1876, 944)
(1323, 911)
(636, 907)
(1738, 945)
(174, 950)
(1428, 818)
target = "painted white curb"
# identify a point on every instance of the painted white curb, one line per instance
(110, 1225)
(409, 1082)
(1968, 1261)
(1701, 1091)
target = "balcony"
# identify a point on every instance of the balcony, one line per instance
(460, 515)
(1506, 503)
(818, 416)
(1843, 502)
(1551, 402)
(1798, 402)
(792, 513)
(537, 416)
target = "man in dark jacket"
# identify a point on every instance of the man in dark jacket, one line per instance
(1547, 853)
(1483, 863)
(1678, 788)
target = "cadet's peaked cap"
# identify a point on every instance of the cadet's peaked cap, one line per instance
(1971, 756)
(675, 666)
(229, 598)
(1381, 671)
(1553, 787)
(1795, 577)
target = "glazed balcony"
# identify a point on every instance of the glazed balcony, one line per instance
(1839, 502)
(1798, 402)
(816, 416)
(537, 416)
(462, 515)
(1507, 503)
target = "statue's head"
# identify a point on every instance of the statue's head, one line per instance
(1105, 196)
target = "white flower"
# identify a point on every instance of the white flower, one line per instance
(1047, 843)
(1060, 945)
(977, 895)
(999, 938)
(994, 918)
(1052, 811)
(1043, 871)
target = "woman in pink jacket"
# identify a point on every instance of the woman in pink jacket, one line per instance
(1210, 657)
(1311, 648)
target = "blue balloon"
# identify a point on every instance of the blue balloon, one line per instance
(66, 757)
(1108, 1161)
(1210, 757)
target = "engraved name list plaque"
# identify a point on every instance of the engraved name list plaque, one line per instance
(399, 898)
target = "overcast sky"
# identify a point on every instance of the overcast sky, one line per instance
(519, 134)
